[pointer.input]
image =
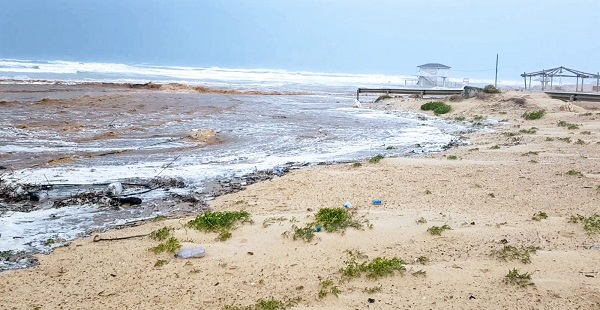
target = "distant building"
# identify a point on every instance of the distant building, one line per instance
(432, 75)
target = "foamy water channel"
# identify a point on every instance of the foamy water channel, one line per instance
(257, 132)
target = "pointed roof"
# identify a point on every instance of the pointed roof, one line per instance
(433, 65)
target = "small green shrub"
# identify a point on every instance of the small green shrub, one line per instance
(377, 268)
(452, 157)
(437, 107)
(421, 220)
(586, 132)
(460, 118)
(336, 219)
(491, 89)
(160, 263)
(356, 165)
(495, 147)
(217, 221)
(266, 304)
(479, 118)
(437, 230)
(580, 142)
(376, 159)
(534, 115)
(172, 245)
(540, 216)
(161, 234)
(221, 222)
(574, 173)
(515, 278)
(327, 288)
(591, 223)
(307, 233)
(510, 252)
(566, 139)
(568, 125)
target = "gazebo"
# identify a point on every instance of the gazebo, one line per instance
(548, 75)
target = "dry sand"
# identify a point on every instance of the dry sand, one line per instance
(487, 195)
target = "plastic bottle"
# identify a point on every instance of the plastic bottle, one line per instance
(191, 253)
(347, 205)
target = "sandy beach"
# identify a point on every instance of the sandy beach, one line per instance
(487, 192)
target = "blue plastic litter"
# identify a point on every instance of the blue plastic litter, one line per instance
(319, 228)
(376, 201)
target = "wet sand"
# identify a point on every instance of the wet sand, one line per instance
(487, 195)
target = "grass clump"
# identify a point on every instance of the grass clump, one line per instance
(383, 97)
(515, 278)
(566, 139)
(494, 147)
(568, 125)
(534, 115)
(330, 219)
(540, 216)
(376, 159)
(437, 107)
(460, 118)
(530, 131)
(580, 142)
(452, 157)
(510, 253)
(437, 230)
(586, 132)
(373, 290)
(161, 234)
(377, 268)
(327, 288)
(591, 223)
(161, 262)
(421, 220)
(491, 89)
(574, 173)
(479, 118)
(221, 222)
(455, 98)
(336, 219)
(356, 165)
(266, 304)
(306, 233)
(172, 245)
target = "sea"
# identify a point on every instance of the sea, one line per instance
(318, 123)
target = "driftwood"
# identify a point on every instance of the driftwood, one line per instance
(97, 238)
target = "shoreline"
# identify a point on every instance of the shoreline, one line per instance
(486, 192)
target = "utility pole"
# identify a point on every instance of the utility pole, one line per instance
(496, 80)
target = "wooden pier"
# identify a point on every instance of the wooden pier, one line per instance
(409, 91)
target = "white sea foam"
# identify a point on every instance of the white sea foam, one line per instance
(257, 78)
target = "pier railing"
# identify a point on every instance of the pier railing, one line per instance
(408, 91)
(574, 96)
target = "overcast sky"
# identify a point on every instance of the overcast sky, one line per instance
(367, 36)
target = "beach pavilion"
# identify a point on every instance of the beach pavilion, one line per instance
(548, 75)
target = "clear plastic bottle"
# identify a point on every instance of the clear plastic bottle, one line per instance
(191, 253)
